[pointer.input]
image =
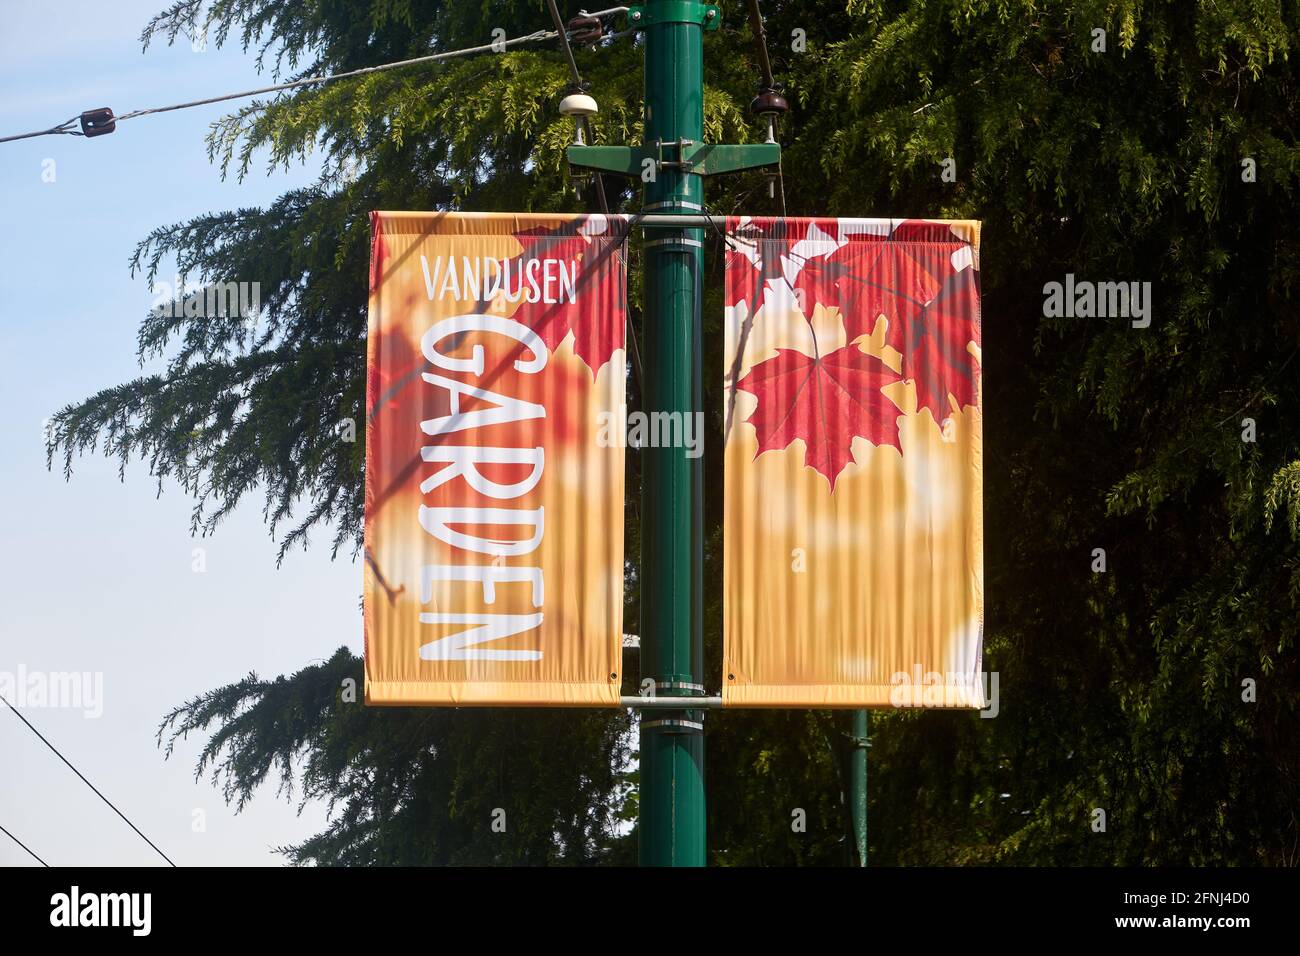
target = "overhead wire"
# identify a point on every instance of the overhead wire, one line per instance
(63, 128)
(495, 46)
(780, 180)
(575, 77)
(760, 41)
(568, 48)
(17, 713)
(30, 851)
(768, 83)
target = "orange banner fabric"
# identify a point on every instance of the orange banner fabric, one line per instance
(494, 511)
(853, 525)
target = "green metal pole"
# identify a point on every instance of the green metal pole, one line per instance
(672, 741)
(858, 783)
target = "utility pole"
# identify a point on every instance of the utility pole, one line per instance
(672, 742)
(671, 165)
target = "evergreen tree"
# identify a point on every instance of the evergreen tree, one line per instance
(1113, 156)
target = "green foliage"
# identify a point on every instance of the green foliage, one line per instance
(409, 785)
(1120, 691)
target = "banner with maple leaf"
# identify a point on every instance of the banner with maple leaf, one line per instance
(493, 511)
(853, 528)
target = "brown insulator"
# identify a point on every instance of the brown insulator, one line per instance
(769, 102)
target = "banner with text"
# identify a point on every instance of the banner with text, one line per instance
(494, 509)
(853, 532)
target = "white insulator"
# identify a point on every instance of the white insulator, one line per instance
(578, 104)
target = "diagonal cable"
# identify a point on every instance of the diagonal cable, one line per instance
(30, 851)
(30, 727)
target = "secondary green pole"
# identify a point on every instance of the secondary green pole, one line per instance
(672, 741)
(858, 783)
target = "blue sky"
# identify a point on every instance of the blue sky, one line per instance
(96, 575)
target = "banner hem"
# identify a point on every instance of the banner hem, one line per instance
(854, 697)
(490, 694)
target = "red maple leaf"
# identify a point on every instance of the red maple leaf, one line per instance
(932, 310)
(907, 275)
(599, 300)
(774, 241)
(827, 401)
(870, 276)
(935, 354)
(747, 279)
